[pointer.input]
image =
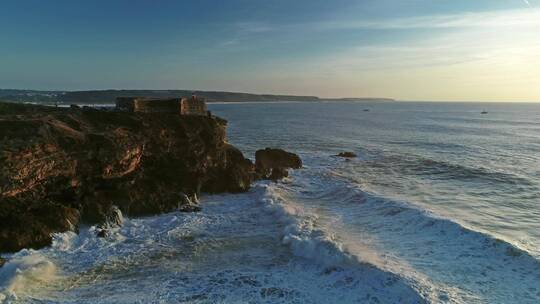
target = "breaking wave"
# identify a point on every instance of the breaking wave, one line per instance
(419, 246)
(254, 247)
(278, 245)
(24, 273)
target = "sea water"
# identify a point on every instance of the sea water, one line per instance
(441, 206)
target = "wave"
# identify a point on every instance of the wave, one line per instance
(444, 170)
(254, 247)
(404, 214)
(307, 239)
(442, 258)
(28, 271)
(237, 249)
(443, 146)
(24, 272)
(300, 232)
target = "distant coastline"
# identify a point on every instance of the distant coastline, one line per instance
(109, 96)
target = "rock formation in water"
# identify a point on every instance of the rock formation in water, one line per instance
(273, 163)
(347, 154)
(113, 219)
(59, 167)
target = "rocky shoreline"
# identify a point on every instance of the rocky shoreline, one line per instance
(62, 167)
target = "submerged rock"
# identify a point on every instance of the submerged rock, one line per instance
(273, 163)
(59, 166)
(347, 154)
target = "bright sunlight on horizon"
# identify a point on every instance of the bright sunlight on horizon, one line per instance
(485, 50)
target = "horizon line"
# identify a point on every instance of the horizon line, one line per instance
(279, 94)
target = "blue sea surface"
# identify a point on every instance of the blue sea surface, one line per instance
(442, 205)
(480, 170)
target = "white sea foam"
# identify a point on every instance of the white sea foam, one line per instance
(301, 233)
(255, 247)
(419, 246)
(319, 243)
(24, 273)
(263, 246)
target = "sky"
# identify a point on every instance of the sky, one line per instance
(448, 50)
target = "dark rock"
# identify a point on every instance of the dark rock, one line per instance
(189, 208)
(236, 175)
(102, 233)
(184, 200)
(59, 165)
(347, 154)
(24, 224)
(98, 212)
(273, 163)
(114, 217)
(186, 204)
(275, 158)
(278, 173)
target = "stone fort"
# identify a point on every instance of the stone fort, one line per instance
(183, 106)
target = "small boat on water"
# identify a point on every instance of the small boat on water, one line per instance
(366, 110)
(484, 112)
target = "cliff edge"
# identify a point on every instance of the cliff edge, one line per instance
(60, 167)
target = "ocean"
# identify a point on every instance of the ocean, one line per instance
(442, 205)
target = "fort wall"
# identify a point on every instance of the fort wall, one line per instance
(181, 106)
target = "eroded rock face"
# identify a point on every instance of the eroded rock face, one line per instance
(30, 225)
(62, 166)
(273, 163)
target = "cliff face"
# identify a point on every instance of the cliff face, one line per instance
(64, 166)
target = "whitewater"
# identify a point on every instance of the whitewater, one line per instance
(441, 206)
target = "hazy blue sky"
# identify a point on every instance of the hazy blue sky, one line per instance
(406, 49)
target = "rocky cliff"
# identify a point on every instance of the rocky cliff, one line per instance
(59, 167)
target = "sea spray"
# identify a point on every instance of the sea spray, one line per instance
(301, 233)
(24, 272)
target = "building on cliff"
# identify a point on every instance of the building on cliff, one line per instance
(183, 106)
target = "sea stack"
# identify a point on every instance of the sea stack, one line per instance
(273, 163)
